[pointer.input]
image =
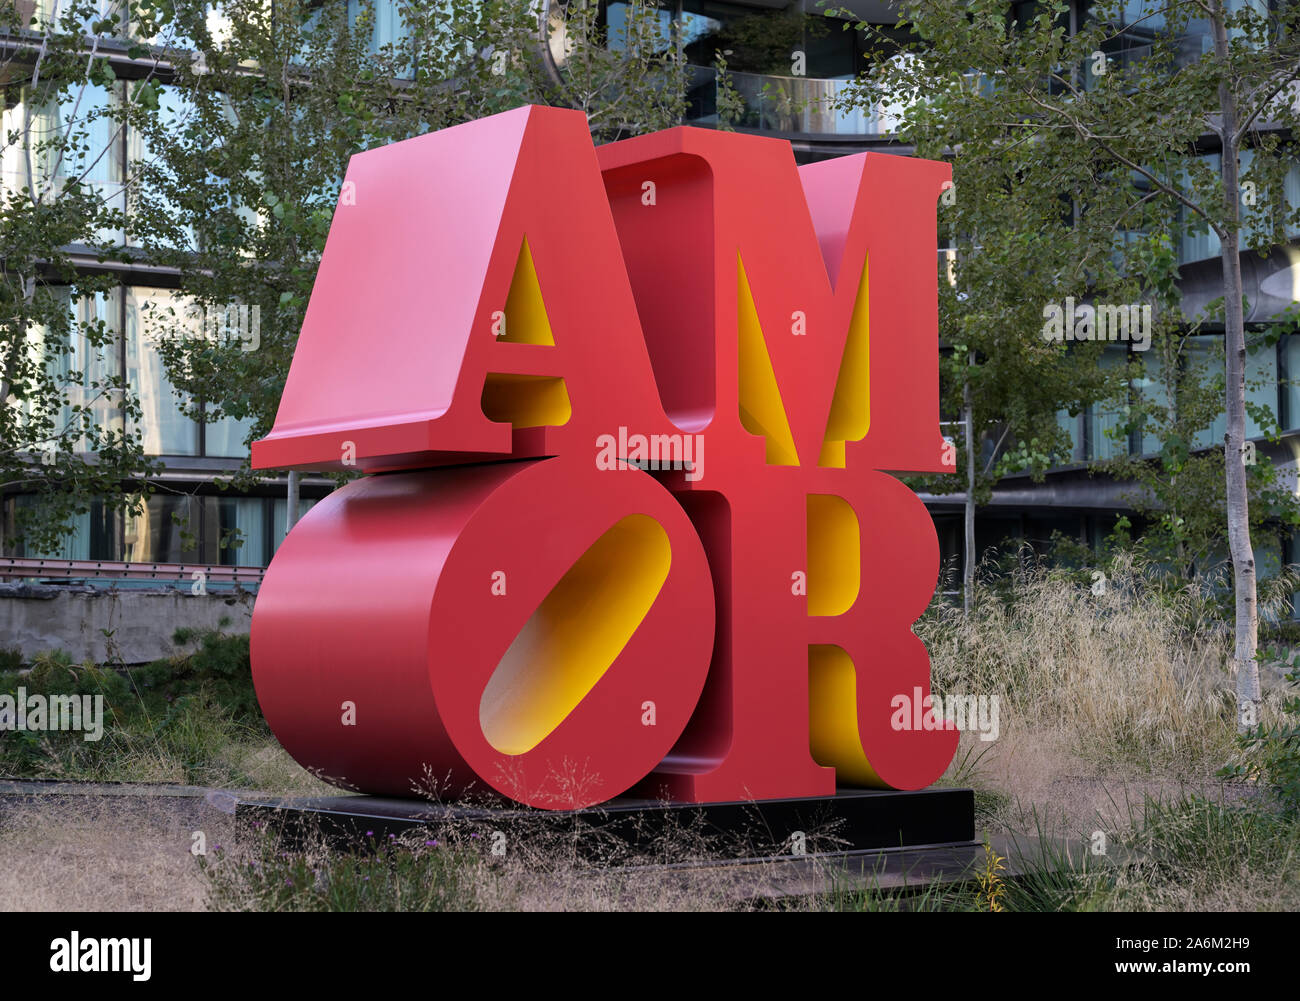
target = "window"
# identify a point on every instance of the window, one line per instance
(164, 427)
(281, 509)
(1290, 352)
(174, 113)
(151, 314)
(87, 365)
(386, 17)
(1205, 362)
(113, 339)
(94, 534)
(1261, 387)
(165, 531)
(1071, 427)
(1105, 420)
(1206, 355)
(242, 526)
(83, 14)
(616, 23)
(1154, 389)
(64, 136)
(227, 438)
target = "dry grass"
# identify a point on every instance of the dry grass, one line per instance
(114, 853)
(1114, 708)
(529, 861)
(271, 769)
(1136, 678)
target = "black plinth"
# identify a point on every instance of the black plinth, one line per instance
(850, 821)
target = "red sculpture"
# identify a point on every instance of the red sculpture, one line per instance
(630, 415)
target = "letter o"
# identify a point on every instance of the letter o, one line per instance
(376, 597)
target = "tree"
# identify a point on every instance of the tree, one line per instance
(1015, 245)
(1132, 121)
(244, 168)
(629, 76)
(69, 431)
(1181, 494)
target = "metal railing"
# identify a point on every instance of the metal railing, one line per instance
(19, 567)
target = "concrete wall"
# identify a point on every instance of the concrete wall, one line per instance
(35, 618)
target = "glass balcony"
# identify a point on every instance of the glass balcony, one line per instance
(787, 105)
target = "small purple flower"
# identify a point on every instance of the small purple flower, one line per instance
(428, 843)
(370, 834)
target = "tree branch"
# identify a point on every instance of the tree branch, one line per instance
(1088, 135)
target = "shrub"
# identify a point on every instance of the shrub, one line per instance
(1270, 754)
(220, 667)
(191, 718)
(417, 873)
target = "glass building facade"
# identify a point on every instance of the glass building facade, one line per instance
(186, 521)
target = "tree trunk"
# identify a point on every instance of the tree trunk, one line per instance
(1234, 347)
(968, 566)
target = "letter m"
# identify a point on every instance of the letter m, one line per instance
(849, 244)
(65, 712)
(1112, 323)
